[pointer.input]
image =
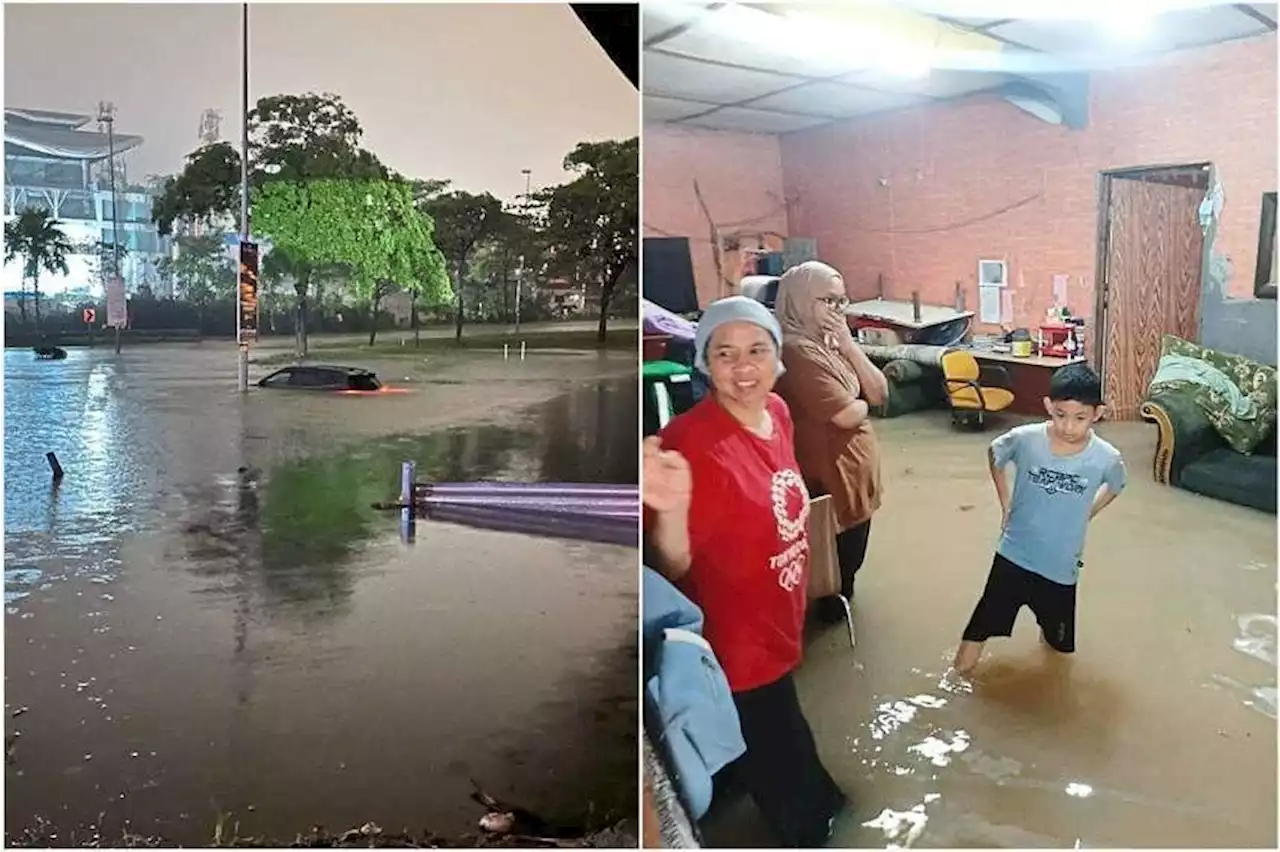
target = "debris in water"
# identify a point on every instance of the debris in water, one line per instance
(20, 711)
(498, 823)
(1256, 637)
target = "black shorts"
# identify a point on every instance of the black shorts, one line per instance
(1009, 588)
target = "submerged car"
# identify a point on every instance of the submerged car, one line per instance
(323, 378)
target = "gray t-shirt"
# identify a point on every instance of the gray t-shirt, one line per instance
(1052, 498)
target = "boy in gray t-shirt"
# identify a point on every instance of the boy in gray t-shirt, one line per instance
(1065, 475)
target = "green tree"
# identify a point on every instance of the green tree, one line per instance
(463, 221)
(104, 253)
(513, 249)
(592, 223)
(308, 136)
(201, 272)
(36, 237)
(370, 228)
(207, 189)
(291, 138)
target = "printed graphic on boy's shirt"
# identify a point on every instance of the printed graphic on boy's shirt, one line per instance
(1057, 481)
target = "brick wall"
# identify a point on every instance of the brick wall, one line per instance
(740, 175)
(929, 168)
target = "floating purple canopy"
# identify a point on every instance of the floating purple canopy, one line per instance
(585, 511)
(608, 530)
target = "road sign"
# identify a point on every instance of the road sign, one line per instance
(247, 302)
(90, 316)
(117, 304)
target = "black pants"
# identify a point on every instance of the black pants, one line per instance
(851, 550)
(781, 769)
(1009, 588)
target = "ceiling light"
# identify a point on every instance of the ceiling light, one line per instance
(853, 47)
(1130, 21)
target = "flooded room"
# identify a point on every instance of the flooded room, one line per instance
(1003, 205)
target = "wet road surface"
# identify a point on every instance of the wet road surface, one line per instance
(185, 640)
(1161, 732)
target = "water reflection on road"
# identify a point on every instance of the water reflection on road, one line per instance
(207, 616)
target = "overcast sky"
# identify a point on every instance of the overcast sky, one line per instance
(474, 93)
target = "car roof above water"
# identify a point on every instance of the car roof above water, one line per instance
(350, 371)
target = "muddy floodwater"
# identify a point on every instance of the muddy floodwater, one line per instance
(1160, 732)
(184, 638)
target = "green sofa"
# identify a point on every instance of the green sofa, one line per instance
(912, 387)
(1192, 452)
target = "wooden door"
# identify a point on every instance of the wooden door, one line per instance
(1152, 283)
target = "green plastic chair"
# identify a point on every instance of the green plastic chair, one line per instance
(659, 377)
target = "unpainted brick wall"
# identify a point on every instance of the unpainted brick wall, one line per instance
(862, 187)
(740, 175)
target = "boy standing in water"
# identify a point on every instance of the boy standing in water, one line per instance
(1065, 475)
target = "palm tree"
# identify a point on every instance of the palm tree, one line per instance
(37, 237)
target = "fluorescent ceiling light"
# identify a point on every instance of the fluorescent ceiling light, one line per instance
(843, 46)
(1129, 21)
(1053, 10)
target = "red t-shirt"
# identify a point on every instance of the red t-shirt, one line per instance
(748, 537)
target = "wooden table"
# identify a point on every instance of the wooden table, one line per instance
(1028, 377)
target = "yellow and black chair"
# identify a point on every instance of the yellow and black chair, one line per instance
(972, 392)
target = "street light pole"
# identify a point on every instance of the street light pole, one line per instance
(528, 175)
(242, 346)
(107, 115)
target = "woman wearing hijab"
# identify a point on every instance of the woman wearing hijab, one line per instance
(830, 385)
(738, 547)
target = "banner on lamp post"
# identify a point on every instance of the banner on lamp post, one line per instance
(247, 295)
(117, 304)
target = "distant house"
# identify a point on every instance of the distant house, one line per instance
(48, 165)
(562, 297)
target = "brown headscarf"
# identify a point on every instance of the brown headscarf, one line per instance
(799, 310)
(804, 318)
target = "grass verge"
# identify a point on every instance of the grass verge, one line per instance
(616, 340)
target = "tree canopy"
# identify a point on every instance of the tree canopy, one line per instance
(592, 223)
(36, 237)
(463, 221)
(370, 227)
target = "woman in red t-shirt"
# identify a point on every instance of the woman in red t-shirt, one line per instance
(736, 543)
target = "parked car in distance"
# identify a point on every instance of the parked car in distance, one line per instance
(322, 378)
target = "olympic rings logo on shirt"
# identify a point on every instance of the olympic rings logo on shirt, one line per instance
(785, 483)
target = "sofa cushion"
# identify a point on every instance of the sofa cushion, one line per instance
(1256, 380)
(1227, 475)
(904, 372)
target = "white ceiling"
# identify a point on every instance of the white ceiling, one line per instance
(722, 65)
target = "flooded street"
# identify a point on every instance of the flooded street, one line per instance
(1161, 732)
(186, 639)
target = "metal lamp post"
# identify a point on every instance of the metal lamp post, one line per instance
(241, 345)
(528, 176)
(107, 115)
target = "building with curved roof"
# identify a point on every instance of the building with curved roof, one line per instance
(55, 161)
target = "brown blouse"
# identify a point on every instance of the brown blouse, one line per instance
(845, 463)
